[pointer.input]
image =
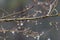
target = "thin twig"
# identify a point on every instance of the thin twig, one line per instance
(18, 12)
(33, 18)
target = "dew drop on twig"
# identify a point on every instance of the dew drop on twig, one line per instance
(28, 20)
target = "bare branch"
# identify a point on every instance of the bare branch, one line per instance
(18, 12)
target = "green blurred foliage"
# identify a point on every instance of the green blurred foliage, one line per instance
(15, 3)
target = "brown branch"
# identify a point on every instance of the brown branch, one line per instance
(33, 18)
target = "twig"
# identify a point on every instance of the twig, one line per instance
(18, 12)
(34, 18)
(52, 7)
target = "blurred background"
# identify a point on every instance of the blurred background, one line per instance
(39, 25)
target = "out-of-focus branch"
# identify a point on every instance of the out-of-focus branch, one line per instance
(4, 10)
(52, 7)
(27, 9)
(27, 32)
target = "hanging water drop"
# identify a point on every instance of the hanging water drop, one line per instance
(28, 20)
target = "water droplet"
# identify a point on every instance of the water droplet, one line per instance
(48, 39)
(56, 22)
(40, 11)
(38, 37)
(27, 8)
(4, 38)
(46, 3)
(34, 37)
(41, 33)
(38, 3)
(13, 32)
(28, 20)
(50, 23)
(27, 36)
(21, 24)
(19, 27)
(17, 23)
